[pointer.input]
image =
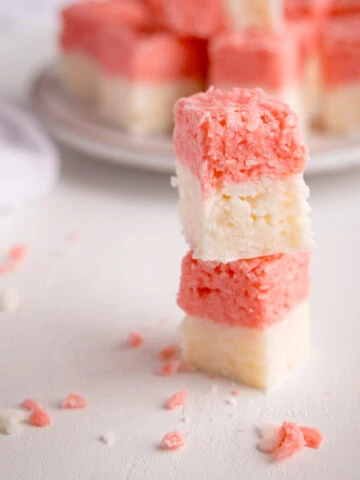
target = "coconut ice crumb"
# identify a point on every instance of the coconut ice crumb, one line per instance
(270, 438)
(170, 368)
(108, 439)
(30, 404)
(17, 253)
(9, 300)
(74, 401)
(176, 400)
(11, 420)
(167, 353)
(284, 441)
(313, 438)
(40, 418)
(173, 441)
(135, 340)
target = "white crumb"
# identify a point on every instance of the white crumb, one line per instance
(231, 401)
(9, 300)
(174, 182)
(11, 420)
(108, 439)
(270, 438)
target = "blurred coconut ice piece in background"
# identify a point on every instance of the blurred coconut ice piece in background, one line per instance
(29, 161)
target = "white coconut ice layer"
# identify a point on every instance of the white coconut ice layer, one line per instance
(142, 107)
(244, 220)
(259, 358)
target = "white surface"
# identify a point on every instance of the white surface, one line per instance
(77, 123)
(79, 300)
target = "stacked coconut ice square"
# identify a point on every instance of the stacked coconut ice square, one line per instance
(243, 208)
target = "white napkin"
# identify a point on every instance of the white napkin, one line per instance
(29, 161)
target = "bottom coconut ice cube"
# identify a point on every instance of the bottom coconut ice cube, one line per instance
(259, 358)
(247, 319)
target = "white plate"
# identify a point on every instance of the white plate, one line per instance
(76, 123)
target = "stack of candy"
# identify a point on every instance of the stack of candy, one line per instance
(137, 57)
(243, 208)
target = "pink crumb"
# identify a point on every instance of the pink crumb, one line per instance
(169, 352)
(292, 441)
(312, 437)
(177, 400)
(73, 237)
(235, 392)
(173, 441)
(170, 368)
(136, 340)
(74, 401)
(6, 267)
(30, 404)
(17, 252)
(40, 418)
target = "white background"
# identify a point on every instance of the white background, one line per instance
(79, 301)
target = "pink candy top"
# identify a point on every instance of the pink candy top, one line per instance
(150, 56)
(254, 59)
(235, 136)
(340, 46)
(199, 18)
(82, 21)
(255, 293)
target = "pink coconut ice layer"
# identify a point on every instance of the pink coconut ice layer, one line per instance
(254, 59)
(145, 55)
(236, 136)
(340, 57)
(300, 8)
(81, 21)
(344, 6)
(255, 293)
(143, 74)
(258, 59)
(204, 18)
